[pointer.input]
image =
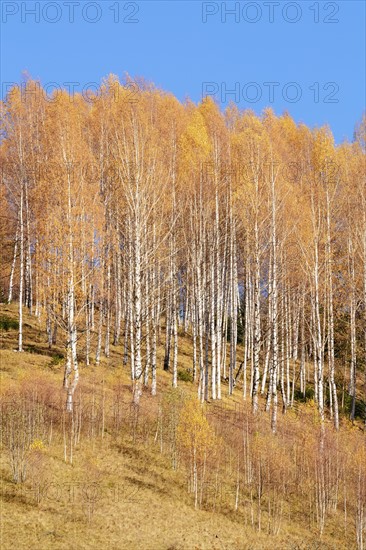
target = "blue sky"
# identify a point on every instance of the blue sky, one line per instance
(305, 57)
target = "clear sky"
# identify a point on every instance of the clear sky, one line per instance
(305, 57)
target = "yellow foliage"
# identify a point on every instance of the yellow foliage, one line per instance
(194, 143)
(194, 432)
(37, 445)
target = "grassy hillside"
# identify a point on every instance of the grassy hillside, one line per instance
(115, 477)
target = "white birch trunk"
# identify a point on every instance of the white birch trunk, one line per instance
(21, 269)
(11, 280)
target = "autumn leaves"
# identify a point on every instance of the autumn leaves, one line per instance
(130, 223)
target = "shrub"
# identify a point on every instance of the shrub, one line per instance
(7, 323)
(57, 358)
(359, 406)
(24, 426)
(309, 395)
(185, 375)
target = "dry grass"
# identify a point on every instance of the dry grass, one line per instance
(141, 503)
(117, 493)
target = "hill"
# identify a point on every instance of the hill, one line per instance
(168, 474)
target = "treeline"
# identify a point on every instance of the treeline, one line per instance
(131, 219)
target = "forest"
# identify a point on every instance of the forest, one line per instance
(218, 260)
